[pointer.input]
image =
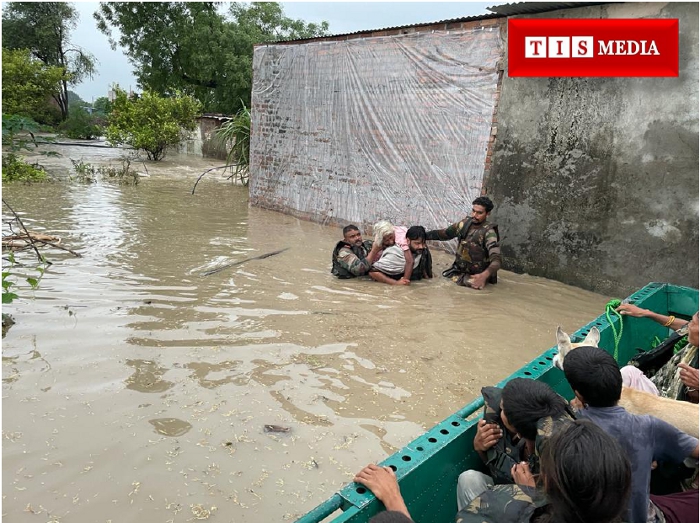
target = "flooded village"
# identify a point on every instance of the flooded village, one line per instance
(186, 354)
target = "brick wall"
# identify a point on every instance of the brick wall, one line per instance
(365, 127)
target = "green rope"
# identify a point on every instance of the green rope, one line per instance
(610, 308)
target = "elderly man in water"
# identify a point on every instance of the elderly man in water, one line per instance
(405, 257)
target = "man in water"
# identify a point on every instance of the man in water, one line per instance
(478, 255)
(405, 261)
(352, 256)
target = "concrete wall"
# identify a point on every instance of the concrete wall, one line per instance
(596, 179)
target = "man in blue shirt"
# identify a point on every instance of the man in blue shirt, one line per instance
(596, 380)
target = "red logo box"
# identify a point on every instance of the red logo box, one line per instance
(593, 47)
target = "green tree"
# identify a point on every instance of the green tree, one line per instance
(102, 105)
(151, 122)
(192, 47)
(27, 83)
(44, 28)
(80, 125)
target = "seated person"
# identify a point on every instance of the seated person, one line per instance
(678, 378)
(505, 438)
(398, 265)
(585, 477)
(597, 383)
(352, 256)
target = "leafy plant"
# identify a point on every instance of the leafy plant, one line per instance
(236, 134)
(80, 125)
(88, 173)
(8, 296)
(27, 84)
(150, 122)
(44, 28)
(14, 169)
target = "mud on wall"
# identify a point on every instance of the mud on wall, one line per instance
(393, 127)
(596, 180)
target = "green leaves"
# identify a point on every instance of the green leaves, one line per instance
(43, 28)
(27, 83)
(151, 122)
(192, 47)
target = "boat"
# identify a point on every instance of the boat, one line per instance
(428, 467)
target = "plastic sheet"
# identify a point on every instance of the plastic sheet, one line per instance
(374, 128)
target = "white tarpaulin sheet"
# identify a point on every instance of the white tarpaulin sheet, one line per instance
(392, 127)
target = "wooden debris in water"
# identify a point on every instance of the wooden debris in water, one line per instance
(277, 428)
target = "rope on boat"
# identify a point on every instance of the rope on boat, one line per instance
(610, 309)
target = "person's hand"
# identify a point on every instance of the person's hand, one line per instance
(689, 376)
(487, 435)
(627, 309)
(404, 281)
(522, 475)
(478, 281)
(576, 404)
(383, 484)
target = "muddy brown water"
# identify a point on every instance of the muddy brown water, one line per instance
(136, 389)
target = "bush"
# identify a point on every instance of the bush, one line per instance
(80, 125)
(14, 169)
(151, 123)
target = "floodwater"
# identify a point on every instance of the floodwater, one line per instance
(136, 389)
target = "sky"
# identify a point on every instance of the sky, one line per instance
(342, 17)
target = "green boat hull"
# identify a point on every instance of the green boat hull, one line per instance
(428, 467)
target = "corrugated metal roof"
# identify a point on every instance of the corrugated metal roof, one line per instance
(485, 16)
(531, 8)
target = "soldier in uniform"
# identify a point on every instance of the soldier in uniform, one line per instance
(352, 256)
(478, 255)
(586, 476)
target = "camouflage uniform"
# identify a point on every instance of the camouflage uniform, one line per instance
(512, 503)
(478, 249)
(667, 379)
(350, 261)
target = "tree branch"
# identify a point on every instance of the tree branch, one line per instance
(31, 241)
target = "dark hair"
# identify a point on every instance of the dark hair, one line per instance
(586, 475)
(391, 516)
(417, 232)
(485, 202)
(349, 228)
(525, 401)
(594, 374)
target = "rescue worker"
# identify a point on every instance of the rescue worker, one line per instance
(353, 256)
(478, 257)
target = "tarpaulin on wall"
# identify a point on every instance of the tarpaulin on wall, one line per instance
(393, 127)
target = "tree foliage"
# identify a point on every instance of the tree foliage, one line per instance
(80, 125)
(27, 83)
(151, 122)
(193, 47)
(44, 28)
(102, 105)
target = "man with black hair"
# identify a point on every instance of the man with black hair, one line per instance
(352, 256)
(406, 261)
(597, 383)
(478, 255)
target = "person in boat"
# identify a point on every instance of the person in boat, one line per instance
(506, 437)
(585, 477)
(407, 260)
(353, 256)
(597, 383)
(678, 378)
(478, 257)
